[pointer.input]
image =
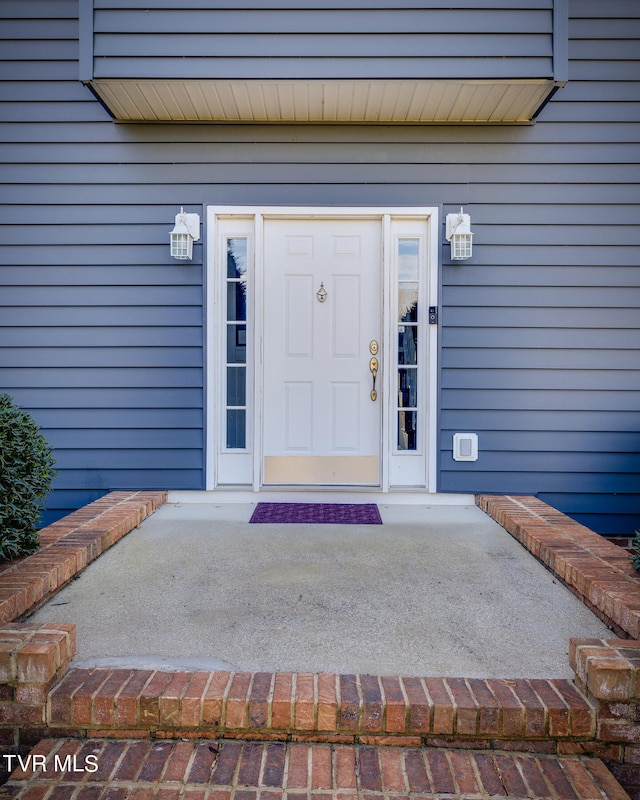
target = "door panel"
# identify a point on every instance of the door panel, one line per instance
(320, 424)
(298, 409)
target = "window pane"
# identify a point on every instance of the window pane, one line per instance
(236, 344)
(236, 258)
(236, 438)
(236, 300)
(407, 388)
(408, 302)
(407, 430)
(236, 386)
(408, 344)
(408, 259)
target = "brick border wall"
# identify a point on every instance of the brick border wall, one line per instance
(596, 570)
(600, 574)
(68, 546)
(597, 715)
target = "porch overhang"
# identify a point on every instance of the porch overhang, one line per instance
(376, 101)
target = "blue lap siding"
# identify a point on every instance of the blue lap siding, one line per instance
(102, 333)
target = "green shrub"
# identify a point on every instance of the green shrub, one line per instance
(635, 554)
(26, 470)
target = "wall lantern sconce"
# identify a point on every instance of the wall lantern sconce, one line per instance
(184, 234)
(459, 234)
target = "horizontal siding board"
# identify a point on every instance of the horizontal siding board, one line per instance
(71, 296)
(34, 51)
(541, 379)
(539, 483)
(105, 377)
(502, 339)
(49, 112)
(382, 194)
(594, 49)
(594, 91)
(300, 5)
(39, 70)
(105, 254)
(607, 28)
(323, 68)
(550, 275)
(507, 317)
(103, 296)
(573, 256)
(133, 439)
(254, 48)
(492, 144)
(107, 156)
(55, 357)
(42, 9)
(339, 20)
(151, 478)
(268, 139)
(535, 359)
(94, 338)
(108, 398)
(154, 419)
(538, 399)
(26, 92)
(34, 29)
(546, 441)
(562, 297)
(593, 503)
(129, 459)
(595, 10)
(325, 173)
(618, 525)
(90, 275)
(94, 214)
(106, 316)
(542, 419)
(622, 465)
(625, 70)
(70, 499)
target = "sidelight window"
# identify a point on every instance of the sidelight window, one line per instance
(236, 344)
(407, 338)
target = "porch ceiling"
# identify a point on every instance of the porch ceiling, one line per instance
(324, 101)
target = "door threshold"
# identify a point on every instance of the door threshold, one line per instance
(327, 495)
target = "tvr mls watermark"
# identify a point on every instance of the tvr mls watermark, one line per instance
(35, 762)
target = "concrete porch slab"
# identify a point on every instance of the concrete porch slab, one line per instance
(435, 591)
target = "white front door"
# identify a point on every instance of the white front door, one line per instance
(322, 324)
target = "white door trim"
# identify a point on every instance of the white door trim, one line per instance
(215, 216)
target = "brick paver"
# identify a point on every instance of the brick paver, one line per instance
(236, 770)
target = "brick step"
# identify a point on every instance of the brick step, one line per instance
(320, 707)
(219, 770)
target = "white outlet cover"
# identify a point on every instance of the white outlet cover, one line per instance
(465, 446)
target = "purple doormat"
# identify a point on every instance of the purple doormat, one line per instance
(318, 513)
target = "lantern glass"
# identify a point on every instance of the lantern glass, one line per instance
(461, 246)
(181, 245)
